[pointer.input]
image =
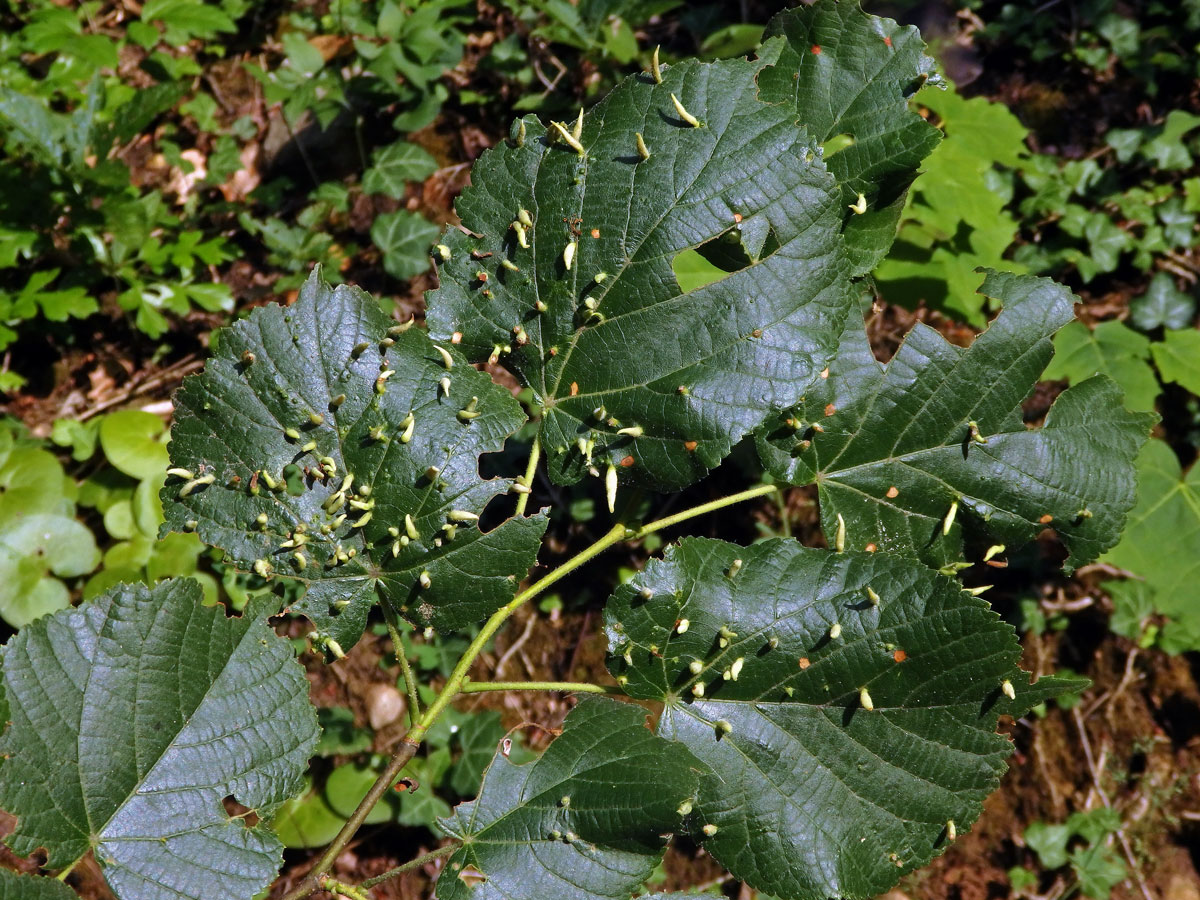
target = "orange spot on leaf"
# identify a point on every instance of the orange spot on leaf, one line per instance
(816, 49)
(456, 338)
(871, 548)
(595, 232)
(887, 41)
(825, 372)
(574, 388)
(627, 462)
(830, 409)
(893, 491)
(1046, 519)
(899, 656)
(803, 662)
(689, 446)
(737, 217)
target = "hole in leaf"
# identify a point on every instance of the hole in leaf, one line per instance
(235, 810)
(837, 144)
(471, 876)
(729, 252)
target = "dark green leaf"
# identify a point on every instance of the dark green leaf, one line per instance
(132, 718)
(478, 736)
(27, 887)
(849, 73)
(895, 453)
(817, 790)
(283, 369)
(584, 821)
(693, 370)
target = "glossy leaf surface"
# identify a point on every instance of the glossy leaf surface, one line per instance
(629, 369)
(132, 718)
(842, 733)
(586, 820)
(893, 449)
(326, 374)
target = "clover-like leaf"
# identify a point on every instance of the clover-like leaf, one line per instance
(584, 821)
(850, 76)
(132, 718)
(567, 272)
(846, 704)
(931, 449)
(295, 402)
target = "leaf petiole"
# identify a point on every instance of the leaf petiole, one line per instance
(410, 682)
(458, 678)
(577, 687)
(535, 454)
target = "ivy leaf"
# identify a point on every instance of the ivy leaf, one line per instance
(895, 453)
(695, 370)
(849, 73)
(132, 718)
(29, 887)
(404, 239)
(314, 369)
(394, 166)
(817, 788)
(586, 820)
(1178, 358)
(1162, 306)
(1113, 349)
(1162, 540)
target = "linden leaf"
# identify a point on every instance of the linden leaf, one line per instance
(931, 450)
(566, 274)
(850, 76)
(585, 821)
(295, 401)
(132, 717)
(845, 703)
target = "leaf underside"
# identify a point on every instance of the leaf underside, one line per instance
(132, 718)
(286, 368)
(896, 448)
(696, 370)
(585, 821)
(813, 795)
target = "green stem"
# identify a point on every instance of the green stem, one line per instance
(711, 506)
(333, 886)
(312, 881)
(614, 535)
(410, 682)
(410, 865)
(62, 876)
(577, 687)
(535, 454)
(785, 520)
(454, 684)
